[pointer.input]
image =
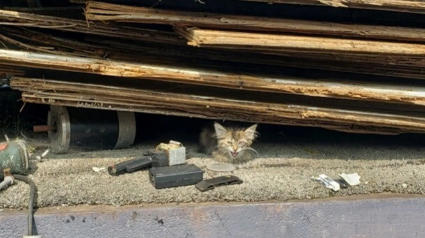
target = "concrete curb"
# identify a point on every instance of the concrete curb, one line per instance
(365, 217)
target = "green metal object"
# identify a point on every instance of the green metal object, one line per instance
(14, 156)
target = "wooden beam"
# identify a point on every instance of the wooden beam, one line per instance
(154, 53)
(315, 88)
(165, 54)
(13, 18)
(343, 127)
(99, 11)
(233, 40)
(409, 6)
(202, 106)
(172, 54)
(401, 67)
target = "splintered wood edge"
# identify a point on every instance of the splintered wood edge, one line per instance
(188, 34)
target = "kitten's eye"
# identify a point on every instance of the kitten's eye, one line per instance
(229, 142)
(241, 143)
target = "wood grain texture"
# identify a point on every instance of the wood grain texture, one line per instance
(214, 107)
(14, 18)
(113, 49)
(234, 39)
(409, 6)
(99, 11)
(315, 88)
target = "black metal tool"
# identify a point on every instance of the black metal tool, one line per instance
(210, 184)
(151, 158)
(175, 176)
(130, 166)
(159, 158)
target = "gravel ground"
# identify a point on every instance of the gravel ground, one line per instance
(282, 172)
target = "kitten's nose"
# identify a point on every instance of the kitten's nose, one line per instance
(235, 149)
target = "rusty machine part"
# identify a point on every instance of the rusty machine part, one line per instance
(88, 129)
(14, 156)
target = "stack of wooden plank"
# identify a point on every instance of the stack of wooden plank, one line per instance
(350, 77)
(191, 101)
(411, 6)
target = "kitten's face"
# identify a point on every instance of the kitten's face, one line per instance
(234, 140)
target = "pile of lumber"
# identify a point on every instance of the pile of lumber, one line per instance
(358, 78)
(223, 104)
(15, 18)
(411, 6)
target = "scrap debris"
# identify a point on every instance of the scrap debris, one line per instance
(210, 184)
(42, 156)
(98, 170)
(328, 182)
(345, 181)
(175, 151)
(351, 179)
(167, 168)
(171, 154)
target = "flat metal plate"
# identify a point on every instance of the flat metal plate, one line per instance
(221, 167)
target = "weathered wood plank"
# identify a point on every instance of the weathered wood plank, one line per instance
(167, 54)
(268, 97)
(13, 18)
(316, 88)
(410, 6)
(37, 41)
(350, 128)
(198, 105)
(99, 11)
(215, 38)
(404, 67)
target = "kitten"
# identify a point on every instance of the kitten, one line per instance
(231, 145)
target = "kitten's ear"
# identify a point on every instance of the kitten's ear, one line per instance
(250, 132)
(220, 131)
